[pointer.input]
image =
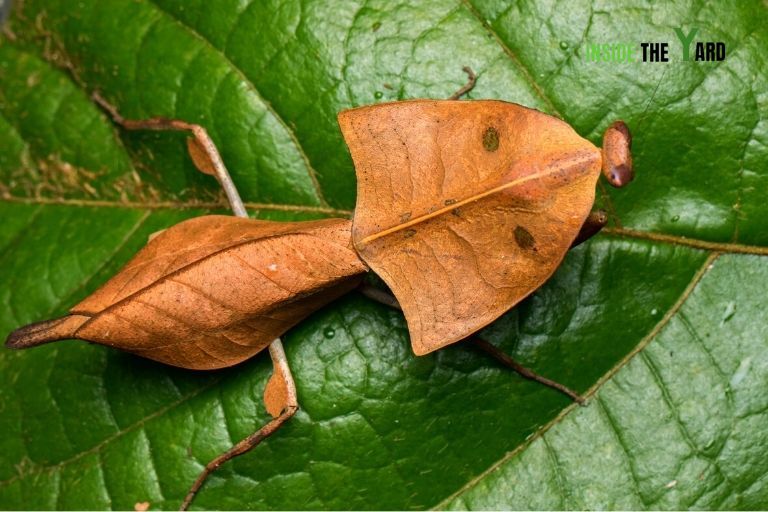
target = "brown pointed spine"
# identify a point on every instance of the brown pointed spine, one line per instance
(47, 331)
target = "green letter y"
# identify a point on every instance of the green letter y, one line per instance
(686, 41)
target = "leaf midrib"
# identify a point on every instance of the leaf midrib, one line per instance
(178, 205)
(528, 77)
(615, 231)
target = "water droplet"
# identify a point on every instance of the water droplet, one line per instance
(378, 95)
(329, 332)
(730, 310)
(654, 312)
(675, 218)
(563, 45)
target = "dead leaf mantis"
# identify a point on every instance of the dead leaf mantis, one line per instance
(464, 208)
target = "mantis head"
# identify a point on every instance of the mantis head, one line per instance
(617, 158)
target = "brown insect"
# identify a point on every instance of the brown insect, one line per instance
(464, 208)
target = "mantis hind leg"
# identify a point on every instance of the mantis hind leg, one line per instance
(388, 299)
(282, 404)
(280, 393)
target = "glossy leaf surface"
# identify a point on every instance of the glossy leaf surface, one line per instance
(87, 427)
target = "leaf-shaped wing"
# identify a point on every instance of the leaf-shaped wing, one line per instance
(213, 291)
(465, 207)
(180, 246)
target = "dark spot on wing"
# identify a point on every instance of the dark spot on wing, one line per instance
(524, 238)
(491, 139)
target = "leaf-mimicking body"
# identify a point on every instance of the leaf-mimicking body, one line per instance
(463, 208)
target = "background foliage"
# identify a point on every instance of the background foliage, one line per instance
(661, 317)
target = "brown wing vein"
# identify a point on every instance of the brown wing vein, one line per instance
(471, 199)
(200, 292)
(262, 274)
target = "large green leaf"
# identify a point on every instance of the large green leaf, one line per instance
(680, 426)
(669, 339)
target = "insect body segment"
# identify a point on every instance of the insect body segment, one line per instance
(213, 291)
(522, 182)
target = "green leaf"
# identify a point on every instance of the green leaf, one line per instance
(666, 336)
(679, 426)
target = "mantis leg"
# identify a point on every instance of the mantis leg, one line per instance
(388, 299)
(200, 145)
(280, 392)
(592, 226)
(472, 80)
(524, 372)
